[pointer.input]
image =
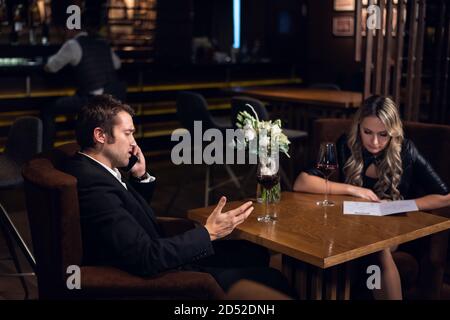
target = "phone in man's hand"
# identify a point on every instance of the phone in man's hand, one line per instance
(131, 163)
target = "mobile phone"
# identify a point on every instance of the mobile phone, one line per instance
(131, 163)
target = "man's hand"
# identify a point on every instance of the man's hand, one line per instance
(220, 224)
(363, 193)
(138, 170)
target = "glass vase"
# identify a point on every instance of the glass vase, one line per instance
(268, 180)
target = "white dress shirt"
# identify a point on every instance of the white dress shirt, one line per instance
(116, 173)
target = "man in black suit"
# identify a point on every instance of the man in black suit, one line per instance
(118, 225)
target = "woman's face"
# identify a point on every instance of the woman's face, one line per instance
(373, 134)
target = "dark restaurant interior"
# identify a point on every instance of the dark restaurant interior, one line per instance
(311, 64)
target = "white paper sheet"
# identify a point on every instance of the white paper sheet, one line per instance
(379, 209)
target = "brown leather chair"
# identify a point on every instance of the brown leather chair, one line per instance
(53, 212)
(422, 274)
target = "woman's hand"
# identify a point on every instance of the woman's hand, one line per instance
(363, 193)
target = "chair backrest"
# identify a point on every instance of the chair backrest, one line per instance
(239, 104)
(53, 213)
(192, 107)
(432, 140)
(328, 86)
(24, 139)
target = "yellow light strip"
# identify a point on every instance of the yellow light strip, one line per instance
(63, 118)
(158, 133)
(223, 106)
(161, 87)
(146, 153)
(210, 85)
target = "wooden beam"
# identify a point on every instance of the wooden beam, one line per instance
(445, 112)
(368, 63)
(401, 21)
(386, 73)
(358, 31)
(416, 101)
(438, 60)
(411, 58)
(379, 50)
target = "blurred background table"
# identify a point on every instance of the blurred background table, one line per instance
(299, 107)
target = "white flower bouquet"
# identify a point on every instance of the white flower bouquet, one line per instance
(266, 139)
(268, 134)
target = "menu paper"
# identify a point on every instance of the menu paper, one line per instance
(379, 208)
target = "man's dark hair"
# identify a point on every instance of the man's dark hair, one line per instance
(100, 111)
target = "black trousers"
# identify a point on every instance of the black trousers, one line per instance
(236, 260)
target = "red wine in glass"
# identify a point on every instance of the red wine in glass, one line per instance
(268, 182)
(327, 164)
(327, 169)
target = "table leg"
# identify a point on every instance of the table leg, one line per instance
(316, 284)
(331, 284)
(301, 280)
(433, 266)
(344, 292)
(310, 282)
(287, 268)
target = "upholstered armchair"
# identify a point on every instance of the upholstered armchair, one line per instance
(53, 211)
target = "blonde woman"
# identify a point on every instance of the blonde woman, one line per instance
(376, 162)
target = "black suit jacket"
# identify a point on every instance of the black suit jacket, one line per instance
(119, 227)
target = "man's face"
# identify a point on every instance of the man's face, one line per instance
(119, 148)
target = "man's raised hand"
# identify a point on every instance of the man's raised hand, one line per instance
(220, 224)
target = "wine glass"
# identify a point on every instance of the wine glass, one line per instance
(327, 164)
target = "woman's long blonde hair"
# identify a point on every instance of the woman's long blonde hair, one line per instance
(389, 167)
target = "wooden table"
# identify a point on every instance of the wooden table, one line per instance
(326, 238)
(297, 106)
